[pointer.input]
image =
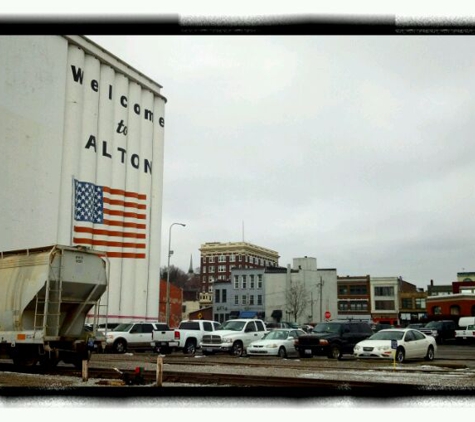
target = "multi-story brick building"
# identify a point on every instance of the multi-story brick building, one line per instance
(412, 303)
(454, 303)
(218, 259)
(354, 297)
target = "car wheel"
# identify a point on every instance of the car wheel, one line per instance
(190, 348)
(282, 352)
(237, 349)
(430, 354)
(335, 352)
(400, 355)
(120, 346)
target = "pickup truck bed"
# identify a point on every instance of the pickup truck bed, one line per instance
(187, 337)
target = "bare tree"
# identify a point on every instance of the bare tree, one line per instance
(177, 277)
(296, 299)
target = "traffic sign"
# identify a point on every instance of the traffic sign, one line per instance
(328, 315)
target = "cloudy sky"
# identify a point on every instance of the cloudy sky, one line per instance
(355, 150)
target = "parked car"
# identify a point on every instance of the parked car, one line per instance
(441, 330)
(107, 327)
(333, 338)
(135, 335)
(278, 342)
(276, 325)
(380, 326)
(397, 343)
(416, 326)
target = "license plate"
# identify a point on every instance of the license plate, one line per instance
(308, 352)
(163, 343)
(208, 349)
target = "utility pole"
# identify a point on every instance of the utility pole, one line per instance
(320, 285)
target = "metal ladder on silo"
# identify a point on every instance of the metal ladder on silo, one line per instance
(48, 311)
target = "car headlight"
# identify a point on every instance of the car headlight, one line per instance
(271, 346)
(434, 332)
(356, 348)
(324, 342)
(383, 348)
(227, 340)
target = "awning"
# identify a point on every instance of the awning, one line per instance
(247, 314)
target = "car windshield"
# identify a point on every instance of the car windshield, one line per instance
(232, 325)
(387, 335)
(327, 327)
(123, 327)
(277, 335)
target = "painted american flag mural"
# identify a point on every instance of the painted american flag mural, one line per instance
(112, 220)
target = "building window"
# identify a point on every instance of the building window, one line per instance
(239, 257)
(455, 310)
(211, 279)
(244, 282)
(216, 296)
(251, 281)
(236, 300)
(251, 299)
(236, 282)
(420, 303)
(244, 299)
(204, 270)
(232, 258)
(406, 303)
(259, 281)
(210, 258)
(221, 268)
(384, 305)
(437, 310)
(342, 306)
(210, 290)
(211, 269)
(222, 258)
(358, 290)
(342, 290)
(259, 299)
(384, 291)
(224, 298)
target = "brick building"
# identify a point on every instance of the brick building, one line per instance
(218, 259)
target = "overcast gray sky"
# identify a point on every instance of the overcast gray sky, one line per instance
(355, 150)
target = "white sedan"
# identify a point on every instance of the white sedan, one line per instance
(397, 343)
(278, 342)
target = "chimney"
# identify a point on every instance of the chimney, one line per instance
(432, 282)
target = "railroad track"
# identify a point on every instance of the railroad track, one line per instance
(177, 370)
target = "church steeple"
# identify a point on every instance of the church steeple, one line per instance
(190, 270)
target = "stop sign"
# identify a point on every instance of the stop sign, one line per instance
(328, 315)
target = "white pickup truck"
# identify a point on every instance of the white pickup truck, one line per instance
(466, 335)
(234, 336)
(187, 337)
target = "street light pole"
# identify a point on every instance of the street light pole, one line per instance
(170, 252)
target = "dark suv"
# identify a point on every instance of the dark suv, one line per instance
(440, 330)
(333, 339)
